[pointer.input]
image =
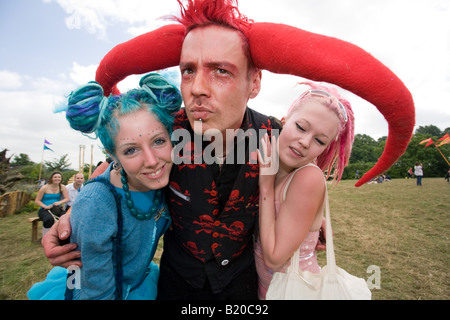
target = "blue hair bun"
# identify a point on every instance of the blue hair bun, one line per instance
(167, 95)
(84, 107)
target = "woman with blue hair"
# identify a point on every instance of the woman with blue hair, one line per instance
(118, 218)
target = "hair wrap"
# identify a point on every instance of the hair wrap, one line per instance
(167, 95)
(84, 106)
(155, 50)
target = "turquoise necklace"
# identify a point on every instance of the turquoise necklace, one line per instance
(135, 212)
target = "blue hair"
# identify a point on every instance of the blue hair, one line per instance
(89, 111)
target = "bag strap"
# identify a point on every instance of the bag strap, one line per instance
(55, 217)
(331, 259)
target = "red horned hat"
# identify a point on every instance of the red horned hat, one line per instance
(286, 50)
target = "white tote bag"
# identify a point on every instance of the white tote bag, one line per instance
(332, 283)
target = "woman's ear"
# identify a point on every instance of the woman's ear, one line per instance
(116, 161)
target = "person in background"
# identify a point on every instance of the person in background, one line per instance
(74, 189)
(418, 172)
(50, 199)
(409, 173)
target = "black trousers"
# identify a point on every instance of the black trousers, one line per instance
(171, 286)
(47, 219)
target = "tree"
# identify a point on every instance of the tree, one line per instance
(433, 163)
(365, 149)
(60, 164)
(8, 177)
(430, 130)
(31, 172)
(366, 152)
(21, 160)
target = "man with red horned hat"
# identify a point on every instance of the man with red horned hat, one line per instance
(208, 253)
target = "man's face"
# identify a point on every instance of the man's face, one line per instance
(215, 82)
(79, 179)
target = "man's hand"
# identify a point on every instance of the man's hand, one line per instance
(57, 253)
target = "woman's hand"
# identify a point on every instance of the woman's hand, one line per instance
(268, 159)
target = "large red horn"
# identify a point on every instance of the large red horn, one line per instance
(288, 50)
(155, 50)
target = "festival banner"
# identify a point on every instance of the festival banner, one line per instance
(444, 140)
(47, 148)
(429, 142)
(46, 142)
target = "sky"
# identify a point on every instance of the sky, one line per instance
(50, 47)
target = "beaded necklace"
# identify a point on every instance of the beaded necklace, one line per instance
(135, 212)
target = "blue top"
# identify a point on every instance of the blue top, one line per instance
(94, 226)
(50, 198)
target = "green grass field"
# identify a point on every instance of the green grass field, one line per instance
(396, 226)
(399, 227)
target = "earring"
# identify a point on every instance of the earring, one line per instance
(116, 166)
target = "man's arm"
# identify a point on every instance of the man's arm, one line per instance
(321, 244)
(58, 253)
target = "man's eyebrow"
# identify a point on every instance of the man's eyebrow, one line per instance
(221, 64)
(186, 64)
(211, 65)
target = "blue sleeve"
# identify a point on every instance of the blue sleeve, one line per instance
(94, 225)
